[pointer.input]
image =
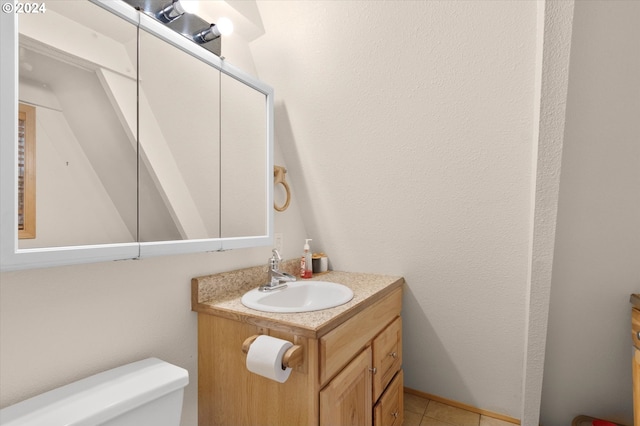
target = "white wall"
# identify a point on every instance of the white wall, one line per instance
(408, 128)
(597, 258)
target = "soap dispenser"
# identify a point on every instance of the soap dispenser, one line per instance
(306, 270)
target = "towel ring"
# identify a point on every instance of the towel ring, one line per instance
(279, 173)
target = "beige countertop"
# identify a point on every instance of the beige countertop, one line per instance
(220, 295)
(635, 300)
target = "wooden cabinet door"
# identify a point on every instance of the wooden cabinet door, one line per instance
(346, 400)
(635, 341)
(636, 386)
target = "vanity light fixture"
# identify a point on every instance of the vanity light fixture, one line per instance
(223, 27)
(171, 12)
(183, 17)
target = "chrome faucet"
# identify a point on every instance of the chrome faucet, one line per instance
(276, 278)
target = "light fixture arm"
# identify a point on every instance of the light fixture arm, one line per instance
(171, 12)
(207, 34)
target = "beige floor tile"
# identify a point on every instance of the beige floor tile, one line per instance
(490, 421)
(453, 415)
(411, 419)
(428, 421)
(415, 404)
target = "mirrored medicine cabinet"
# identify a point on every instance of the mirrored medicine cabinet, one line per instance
(143, 143)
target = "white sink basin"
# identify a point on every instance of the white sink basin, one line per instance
(299, 296)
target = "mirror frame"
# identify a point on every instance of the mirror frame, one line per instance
(11, 256)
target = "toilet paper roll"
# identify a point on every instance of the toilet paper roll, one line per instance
(265, 358)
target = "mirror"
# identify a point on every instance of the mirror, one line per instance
(243, 169)
(80, 131)
(173, 157)
(179, 143)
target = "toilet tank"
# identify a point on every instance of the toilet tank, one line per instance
(147, 392)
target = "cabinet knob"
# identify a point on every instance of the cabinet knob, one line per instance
(393, 355)
(638, 335)
(395, 414)
(373, 370)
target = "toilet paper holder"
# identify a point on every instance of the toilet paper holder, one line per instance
(292, 357)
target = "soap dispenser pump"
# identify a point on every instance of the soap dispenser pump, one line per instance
(306, 270)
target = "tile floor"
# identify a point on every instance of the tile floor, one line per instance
(423, 412)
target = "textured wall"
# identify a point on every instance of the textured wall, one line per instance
(597, 258)
(408, 131)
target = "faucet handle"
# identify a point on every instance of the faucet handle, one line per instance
(274, 262)
(276, 255)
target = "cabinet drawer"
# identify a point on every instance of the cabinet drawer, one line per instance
(635, 327)
(389, 411)
(387, 356)
(338, 346)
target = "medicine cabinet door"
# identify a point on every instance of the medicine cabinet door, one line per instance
(245, 170)
(179, 101)
(69, 158)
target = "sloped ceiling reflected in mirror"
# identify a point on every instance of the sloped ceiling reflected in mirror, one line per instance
(76, 121)
(85, 103)
(179, 101)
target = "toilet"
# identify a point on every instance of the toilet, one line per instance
(147, 392)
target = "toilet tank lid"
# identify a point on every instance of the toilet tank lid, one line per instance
(100, 397)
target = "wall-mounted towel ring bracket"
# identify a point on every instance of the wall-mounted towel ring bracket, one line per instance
(279, 174)
(292, 357)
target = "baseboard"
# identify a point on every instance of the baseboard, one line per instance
(462, 406)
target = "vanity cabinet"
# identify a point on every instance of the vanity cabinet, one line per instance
(350, 373)
(635, 338)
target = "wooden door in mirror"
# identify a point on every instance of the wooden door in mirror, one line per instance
(26, 171)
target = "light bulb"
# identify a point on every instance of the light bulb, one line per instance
(225, 26)
(190, 6)
(171, 12)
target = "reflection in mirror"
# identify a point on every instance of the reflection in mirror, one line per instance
(26, 171)
(119, 177)
(179, 144)
(81, 82)
(243, 150)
